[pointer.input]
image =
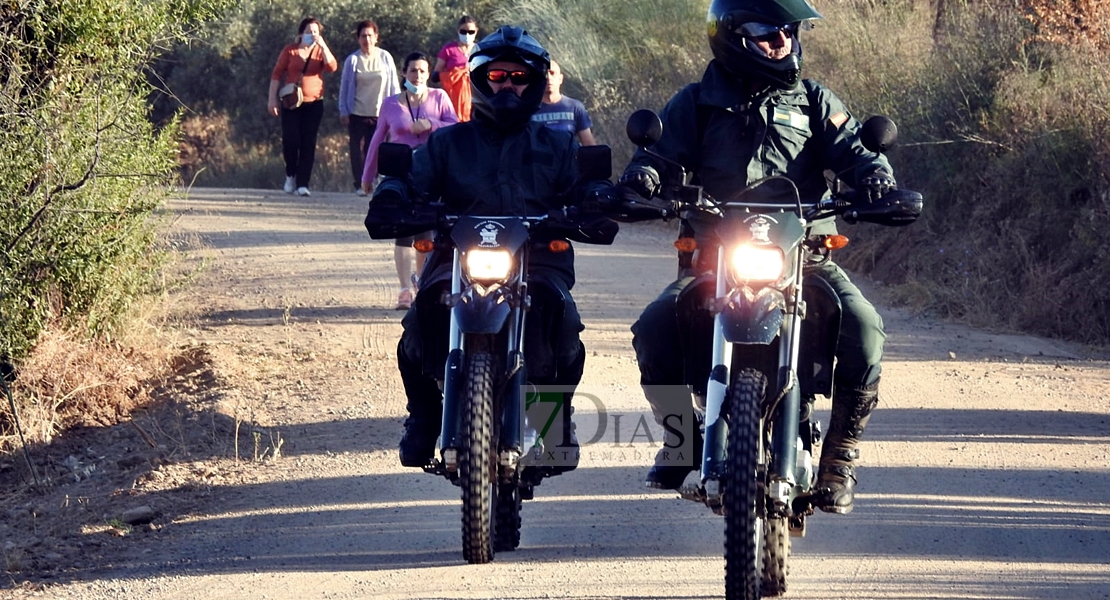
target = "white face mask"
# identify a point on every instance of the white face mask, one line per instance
(467, 38)
(416, 89)
(308, 39)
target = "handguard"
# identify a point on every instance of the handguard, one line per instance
(392, 215)
(631, 207)
(896, 208)
(586, 227)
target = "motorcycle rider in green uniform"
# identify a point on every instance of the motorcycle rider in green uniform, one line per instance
(752, 116)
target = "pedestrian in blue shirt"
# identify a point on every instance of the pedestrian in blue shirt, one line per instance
(561, 112)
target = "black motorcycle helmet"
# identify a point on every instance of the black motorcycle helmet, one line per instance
(506, 111)
(732, 25)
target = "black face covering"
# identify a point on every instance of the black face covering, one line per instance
(509, 111)
(506, 100)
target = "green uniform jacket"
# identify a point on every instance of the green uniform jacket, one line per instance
(728, 140)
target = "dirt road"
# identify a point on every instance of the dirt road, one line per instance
(987, 469)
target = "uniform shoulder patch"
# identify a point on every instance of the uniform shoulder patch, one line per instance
(839, 119)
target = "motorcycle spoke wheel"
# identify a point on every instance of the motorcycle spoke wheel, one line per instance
(477, 473)
(744, 534)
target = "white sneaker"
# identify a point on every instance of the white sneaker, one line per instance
(303, 191)
(360, 192)
(290, 184)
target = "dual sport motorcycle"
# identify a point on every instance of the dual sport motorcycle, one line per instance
(770, 348)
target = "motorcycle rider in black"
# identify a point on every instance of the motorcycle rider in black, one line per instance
(752, 116)
(498, 164)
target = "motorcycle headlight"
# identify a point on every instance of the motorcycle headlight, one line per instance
(488, 265)
(753, 263)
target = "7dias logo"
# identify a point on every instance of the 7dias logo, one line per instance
(554, 436)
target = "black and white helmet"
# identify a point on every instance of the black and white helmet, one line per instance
(508, 43)
(735, 26)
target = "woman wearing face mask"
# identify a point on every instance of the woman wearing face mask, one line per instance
(408, 118)
(450, 70)
(369, 77)
(302, 62)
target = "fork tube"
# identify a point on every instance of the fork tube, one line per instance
(716, 431)
(454, 338)
(784, 460)
(512, 424)
(453, 370)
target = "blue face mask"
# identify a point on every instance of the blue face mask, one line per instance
(308, 39)
(415, 89)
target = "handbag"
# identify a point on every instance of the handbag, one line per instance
(290, 94)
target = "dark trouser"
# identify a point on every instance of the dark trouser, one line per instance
(359, 131)
(299, 127)
(553, 351)
(660, 353)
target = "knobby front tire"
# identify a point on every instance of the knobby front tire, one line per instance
(477, 461)
(506, 530)
(743, 525)
(776, 553)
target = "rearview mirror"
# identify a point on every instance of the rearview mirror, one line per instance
(595, 162)
(879, 134)
(394, 160)
(644, 128)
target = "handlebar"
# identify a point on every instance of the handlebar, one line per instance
(895, 208)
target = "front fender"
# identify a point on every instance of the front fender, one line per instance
(477, 313)
(752, 316)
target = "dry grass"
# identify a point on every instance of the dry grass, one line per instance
(69, 382)
(1071, 23)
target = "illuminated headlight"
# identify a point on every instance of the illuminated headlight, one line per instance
(488, 265)
(751, 263)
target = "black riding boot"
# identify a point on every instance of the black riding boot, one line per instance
(425, 406)
(672, 407)
(836, 477)
(674, 461)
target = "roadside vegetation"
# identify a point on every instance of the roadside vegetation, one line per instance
(107, 105)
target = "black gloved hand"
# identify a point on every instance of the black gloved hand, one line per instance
(878, 184)
(600, 200)
(640, 180)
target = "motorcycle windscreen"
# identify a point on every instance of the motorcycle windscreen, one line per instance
(504, 233)
(782, 230)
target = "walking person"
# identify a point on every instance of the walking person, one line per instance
(369, 76)
(408, 118)
(450, 70)
(299, 71)
(563, 112)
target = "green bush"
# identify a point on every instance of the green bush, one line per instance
(82, 169)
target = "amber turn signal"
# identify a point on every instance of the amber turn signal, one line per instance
(558, 245)
(423, 245)
(686, 244)
(836, 242)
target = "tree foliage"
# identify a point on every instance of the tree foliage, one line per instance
(82, 169)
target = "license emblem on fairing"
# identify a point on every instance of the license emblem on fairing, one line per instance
(488, 230)
(760, 227)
